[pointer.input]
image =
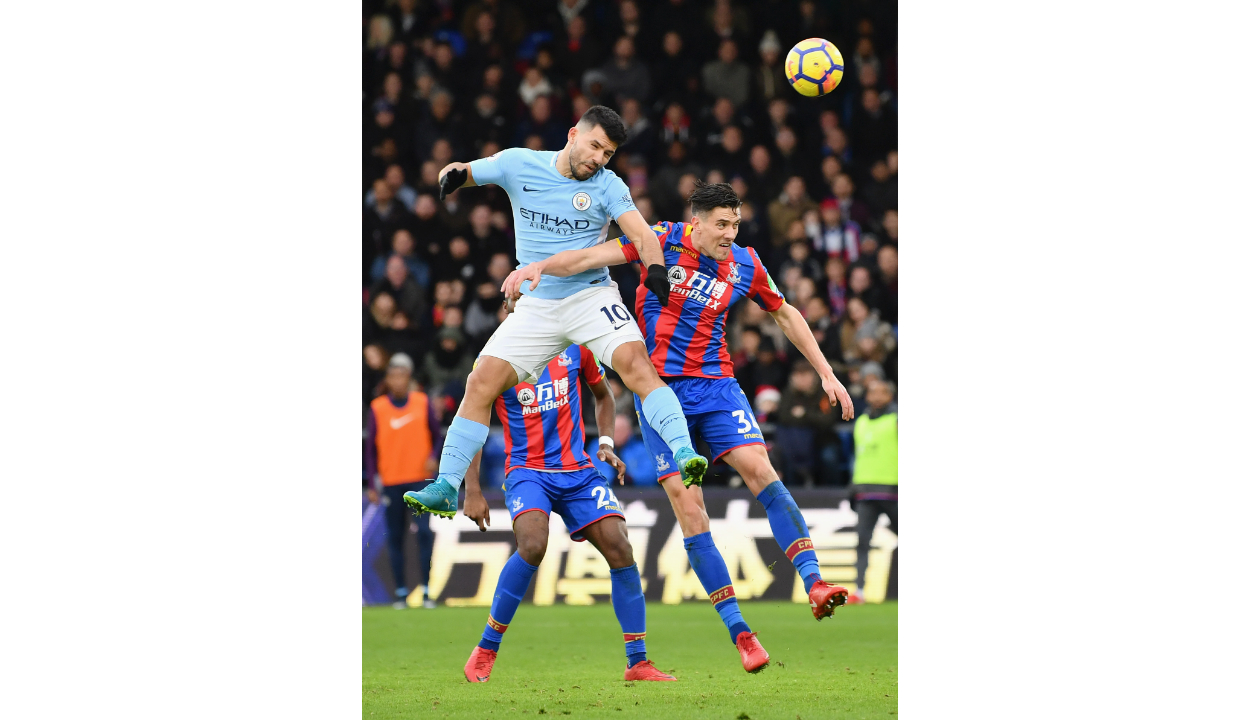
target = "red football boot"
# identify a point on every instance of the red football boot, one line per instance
(479, 664)
(824, 599)
(754, 657)
(645, 670)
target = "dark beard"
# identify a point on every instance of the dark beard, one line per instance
(573, 169)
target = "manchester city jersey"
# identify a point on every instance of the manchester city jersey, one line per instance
(553, 213)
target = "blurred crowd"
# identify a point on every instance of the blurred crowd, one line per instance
(703, 93)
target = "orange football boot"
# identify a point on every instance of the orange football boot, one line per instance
(645, 670)
(824, 599)
(754, 657)
(479, 664)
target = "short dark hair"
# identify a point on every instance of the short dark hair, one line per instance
(707, 196)
(607, 118)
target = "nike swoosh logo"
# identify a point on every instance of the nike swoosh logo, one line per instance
(621, 326)
(530, 189)
(399, 422)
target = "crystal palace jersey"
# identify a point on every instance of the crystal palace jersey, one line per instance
(542, 423)
(688, 337)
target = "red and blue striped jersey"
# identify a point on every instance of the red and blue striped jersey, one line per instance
(688, 337)
(542, 423)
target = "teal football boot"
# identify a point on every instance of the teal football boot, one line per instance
(438, 498)
(691, 465)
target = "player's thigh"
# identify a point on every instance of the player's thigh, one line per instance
(598, 319)
(490, 377)
(635, 368)
(753, 465)
(529, 338)
(609, 536)
(688, 505)
(723, 417)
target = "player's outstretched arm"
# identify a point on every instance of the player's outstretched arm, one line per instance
(563, 264)
(645, 240)
(797, 330)
(606, 420)
(648, 245)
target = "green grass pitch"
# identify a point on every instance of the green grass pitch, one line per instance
(568, 661)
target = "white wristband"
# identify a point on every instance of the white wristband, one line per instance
(605, 440)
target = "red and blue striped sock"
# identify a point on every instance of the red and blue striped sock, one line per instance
(513, 582)
(631, 610)
(790, 531)
(716, 579)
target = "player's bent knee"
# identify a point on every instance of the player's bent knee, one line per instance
(761, 480)
(489, 379)
(635, 368)
(620, 555)
(531, 548)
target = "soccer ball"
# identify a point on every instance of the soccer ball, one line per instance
(814, 67)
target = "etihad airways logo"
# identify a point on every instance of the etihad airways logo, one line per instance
(553, 223)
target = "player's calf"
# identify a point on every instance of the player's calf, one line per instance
(688, 506)
(513, 582)
(466, 435)
(788, 525)
(609, 537)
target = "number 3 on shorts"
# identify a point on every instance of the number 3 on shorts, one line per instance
(744, 423)
(615, 313)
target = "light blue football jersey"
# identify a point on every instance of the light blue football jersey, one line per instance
(553, 213)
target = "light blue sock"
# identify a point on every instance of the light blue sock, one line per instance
(463, 440)
(663, 412)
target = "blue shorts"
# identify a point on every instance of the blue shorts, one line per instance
(717, 412)
(580, 497)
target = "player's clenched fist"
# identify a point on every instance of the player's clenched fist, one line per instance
(658, 282)
(454, 176)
